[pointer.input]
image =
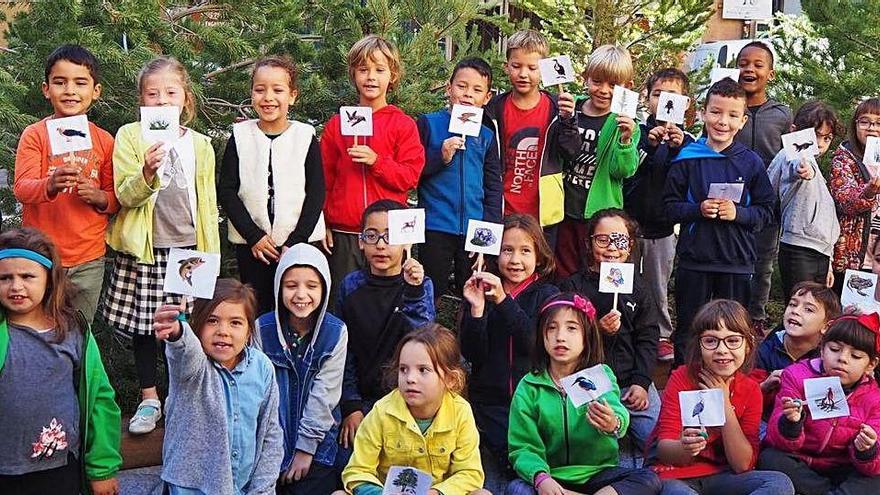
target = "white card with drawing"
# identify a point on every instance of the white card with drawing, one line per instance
(624, 102)
(719, 73)
(732, 191)
(802, 142)
(671, 107)
(586, 385)
(406, 226)
(616, 277)
(483, 237)
(702, 408)
(872, 152)
(69, 134)
(556, 70)
(191, 273)
(747, 9)
(825, 397)
(466, 120)
(405, 480)
(356, 121)
(859, 289)
(160, 124)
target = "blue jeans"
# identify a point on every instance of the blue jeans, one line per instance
(641, 423)
(625, 481)
(728, 483)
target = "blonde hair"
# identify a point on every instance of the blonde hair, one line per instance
(528, 41)
(365, 48)
(165, 62)
(610, 63)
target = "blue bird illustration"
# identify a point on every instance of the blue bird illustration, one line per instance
(585, 383)
(698, 408)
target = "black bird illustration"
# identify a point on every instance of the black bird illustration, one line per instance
(585, 383)
(71, 133)
(353, 118)
(560, 70)
(466, 117)
(670, 106)
(698, 408)
(802, 146)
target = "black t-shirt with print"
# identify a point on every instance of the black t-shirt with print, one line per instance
(578, 176)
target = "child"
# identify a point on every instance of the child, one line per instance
(424, 423)
(497, 330)
(168, 200)
(716, 250)
(77, 186)
(536, 130)
(593, 178)
(385, 165)
(222, 398)
(271, 182)
(60, 424)
(307, 345)
(660, 142)
(831, 455)
(459, 182)
(809, 216)
(629, 333)
(555, 446)
(718, 460)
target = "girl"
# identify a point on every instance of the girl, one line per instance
(854, 188)
(271, 181)
(630, 332)
(63, 424)
(809, 218)
(721, 460)
(553, 445)
(222, 398)
(497, 337)
(168, 200)
(424, 423)
(835, 455)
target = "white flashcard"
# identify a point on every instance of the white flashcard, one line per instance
(799, 143)
(556, 70)
(747, 9)
(405, 480)
(624, 102)
(872, 152)
(702, 407)
(732, 191)
(616, 277)
(356, 121)
(406, 226)
(466, 120)
(825, 397)
(484, 237)
(719, 73)
(69, 134)
(586, 385)
(191, 273)
(858, 291)
(160, 124)
(671, 107)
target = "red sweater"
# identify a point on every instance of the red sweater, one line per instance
(745, 395)
(352, 187)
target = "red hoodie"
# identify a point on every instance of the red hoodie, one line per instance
(351, 187)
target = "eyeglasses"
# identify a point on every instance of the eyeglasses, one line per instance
(619, 239)
(868, 124)
(732, 342)
(372, 237)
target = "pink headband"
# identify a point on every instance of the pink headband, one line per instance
(579, 303)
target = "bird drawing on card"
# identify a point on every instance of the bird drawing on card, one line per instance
(801, 147)
(698, 409)
(466, 117)
(559, 68)
(71, 133)
(353, 118)
(585, 383)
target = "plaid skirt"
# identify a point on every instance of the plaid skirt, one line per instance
(135, 293)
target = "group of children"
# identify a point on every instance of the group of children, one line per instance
(323, 367)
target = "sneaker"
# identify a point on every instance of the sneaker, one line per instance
(665, 351)
(148, 413)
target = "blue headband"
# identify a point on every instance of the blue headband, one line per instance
(27, 254)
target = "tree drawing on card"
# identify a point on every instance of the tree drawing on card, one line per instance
(191, 273)
(556, 70)
(702, 408)
(624, 102)
(406, 226)
(404, 480)
(356, 121)
(69, 134)
(799, 143)
(825, 397)
(672, 107)
(160, 124)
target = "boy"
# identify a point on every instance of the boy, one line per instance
(660, 143)
(459, 181)
(536, 130)
(716, 251)
(768, 121)
(385, 165)
(593, 180)
(70, 197)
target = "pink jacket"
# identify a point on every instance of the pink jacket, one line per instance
(827, 443)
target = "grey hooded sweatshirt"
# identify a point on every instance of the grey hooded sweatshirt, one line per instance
(764, 129)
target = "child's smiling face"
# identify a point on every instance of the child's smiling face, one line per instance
(610, 242)
(225, 333)
(755, 70)
(724, 117)
(722, 361)
(372, 78)
(468, 87)
(301, 291)
(70, 88)
(518, 256)
(272, 95)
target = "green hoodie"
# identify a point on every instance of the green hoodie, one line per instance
(574, 454)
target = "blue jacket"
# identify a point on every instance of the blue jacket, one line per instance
(467, 187)
(772, 355)
(711, 244)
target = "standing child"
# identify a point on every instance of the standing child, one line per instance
(307, 345)
(718, 460)
(60, 427)
(836, 455)
(459, 182)
(271, 182)
(168, 200)
(423, 423)
(222, 398)
(555, 446)
(76, 186)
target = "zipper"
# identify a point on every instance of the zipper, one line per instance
(544, 151)
(462, 228)
(364, 177)
(827, 437)
(510, 365)
(565, 428)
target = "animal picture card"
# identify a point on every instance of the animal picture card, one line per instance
(406, 226)
(719, 73)
(616, 277)
(801, 142)
(702, 407)
(858, 291)
(586, 385)
(160, 124)
(483, 237)
(69, 134)
(405, 480)
(872, 154)
(556, 70)
(191, 273)
(356, 121)
(732, 191)
(624, 102)
(747, 9)
(671, 107)
(466, 120)
(825, 397)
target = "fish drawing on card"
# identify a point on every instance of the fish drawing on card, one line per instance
(859, 284)
(354, 118)
(188, 266)
(483, 237)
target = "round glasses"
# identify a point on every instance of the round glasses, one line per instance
(732, 342)
(619, 239)
(868, 123)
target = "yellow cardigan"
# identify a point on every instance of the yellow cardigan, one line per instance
(132, 229)
(389, 436)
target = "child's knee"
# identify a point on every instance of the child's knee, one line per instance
(481, 491)
(339, 492)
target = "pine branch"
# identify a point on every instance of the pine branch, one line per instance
(238, 65)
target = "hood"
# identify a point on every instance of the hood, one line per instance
(700, 150)
(301, 255)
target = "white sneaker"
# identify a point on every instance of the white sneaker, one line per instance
(148, 413)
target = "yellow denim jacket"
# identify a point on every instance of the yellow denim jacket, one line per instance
(389, 436)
